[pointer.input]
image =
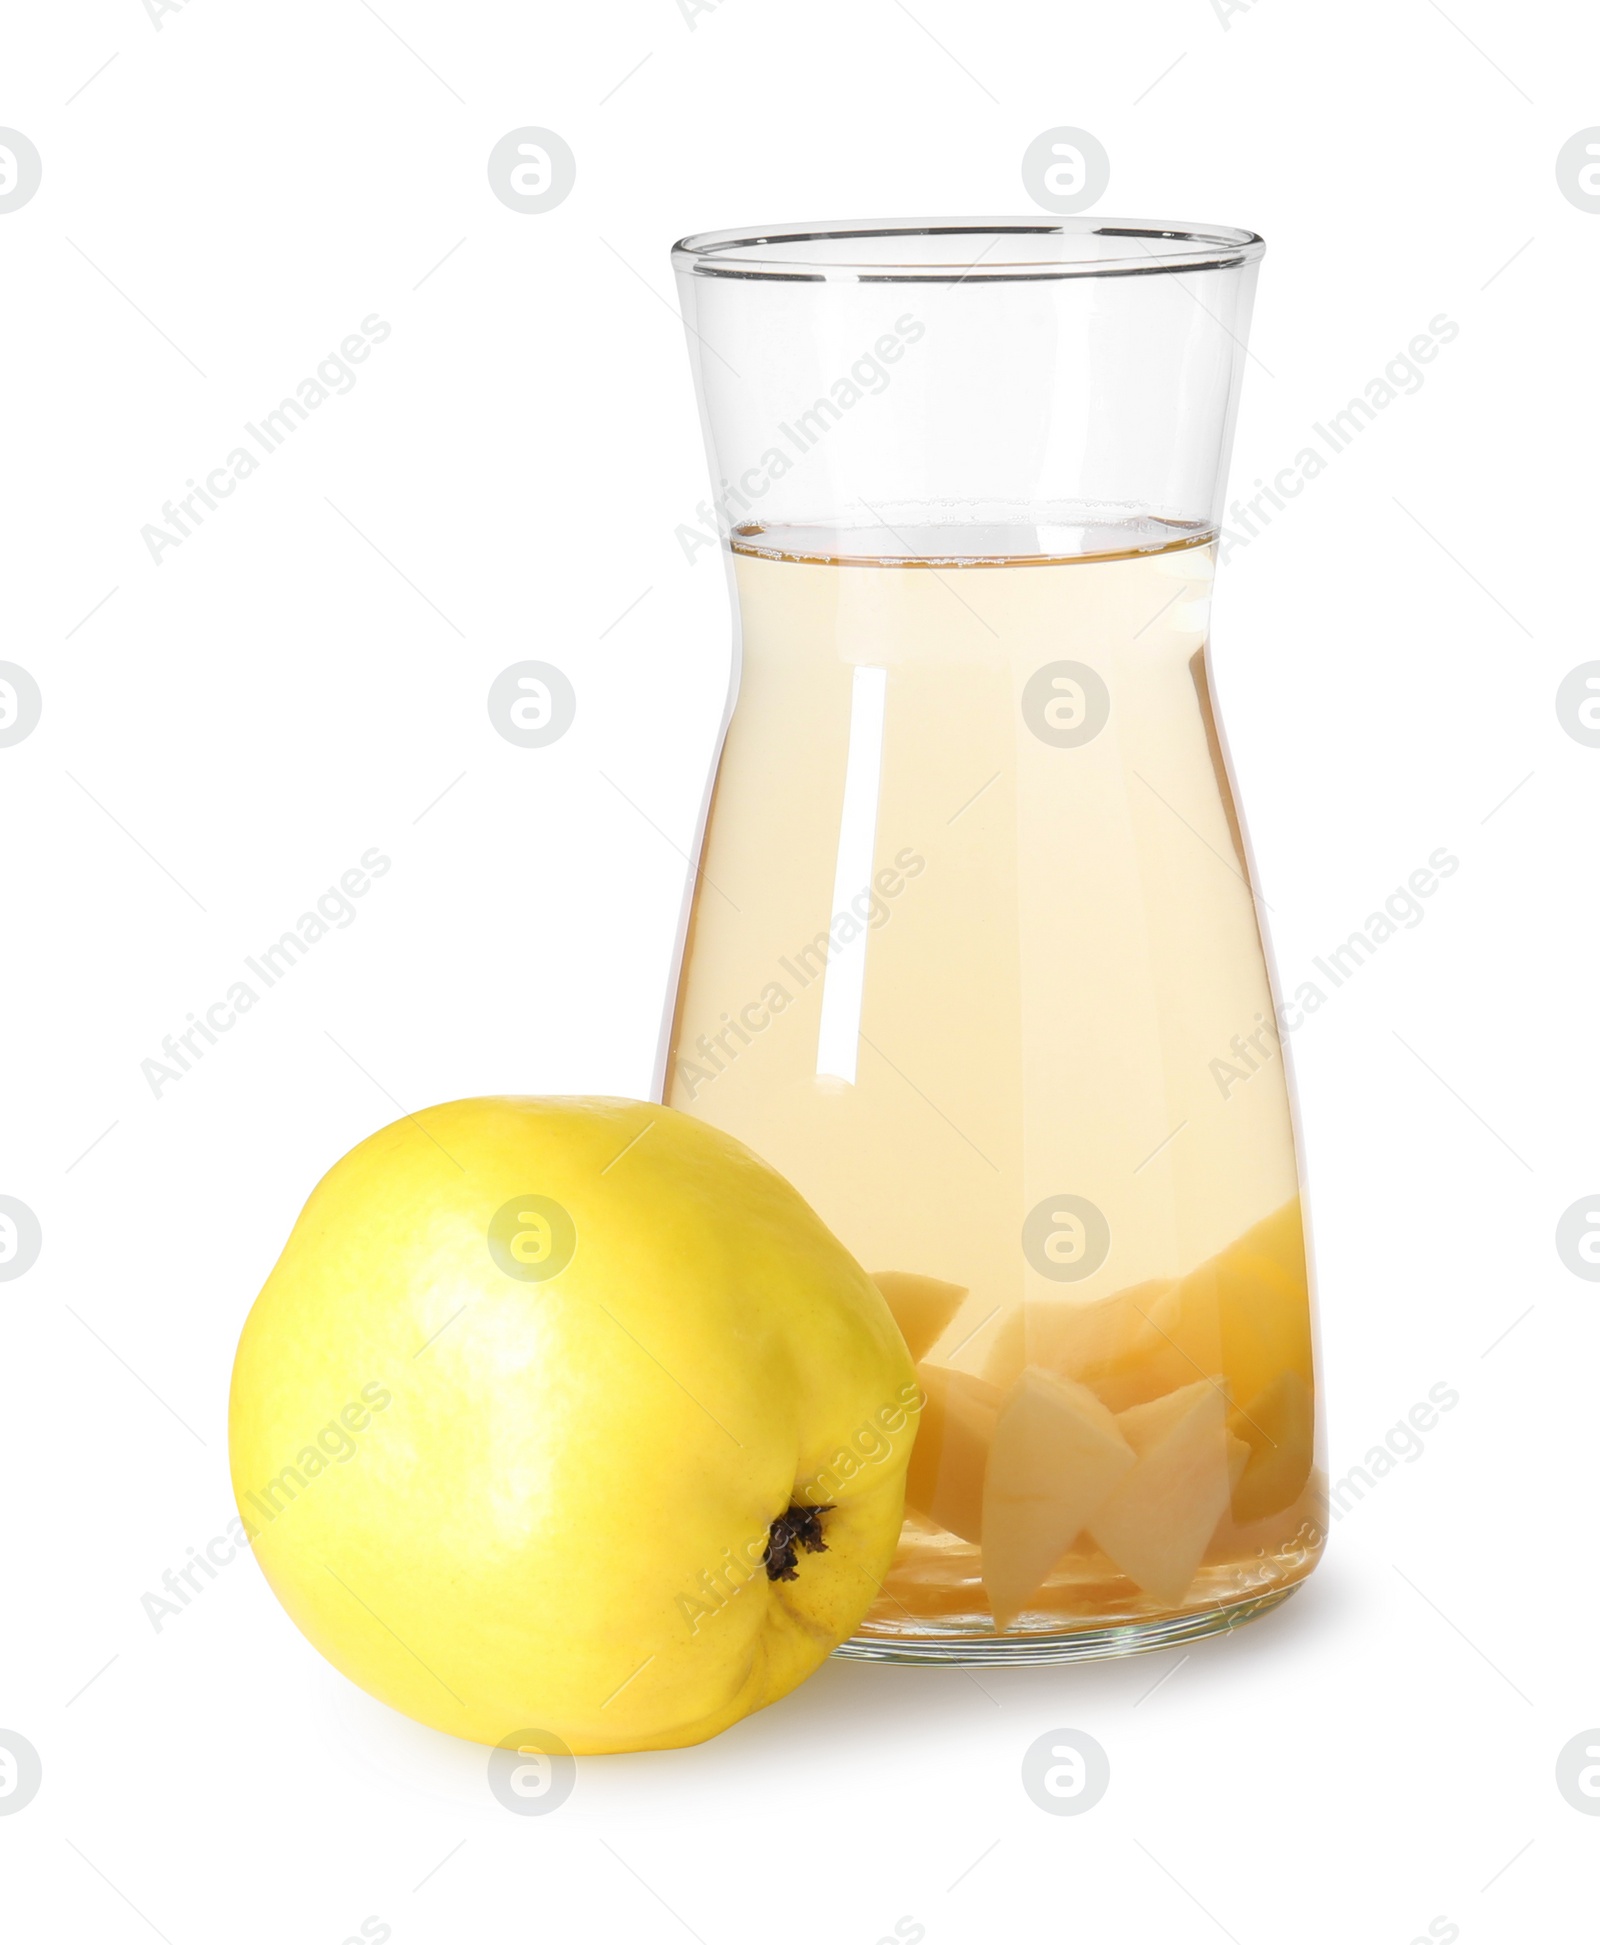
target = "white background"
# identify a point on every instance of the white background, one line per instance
(305, 676)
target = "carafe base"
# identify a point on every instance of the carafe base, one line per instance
(1072, 1644)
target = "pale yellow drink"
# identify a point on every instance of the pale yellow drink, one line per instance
(972, 960)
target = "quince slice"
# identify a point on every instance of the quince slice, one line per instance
(948, 1460)
(1088, 1342)
(1157, 1521)
(1245, 1312)
(1055, 1456)
(920, 1305)
(1277, 1427)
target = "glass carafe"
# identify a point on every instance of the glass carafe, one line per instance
(973, 955)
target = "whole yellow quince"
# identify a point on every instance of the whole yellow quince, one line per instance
(569, 1417)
